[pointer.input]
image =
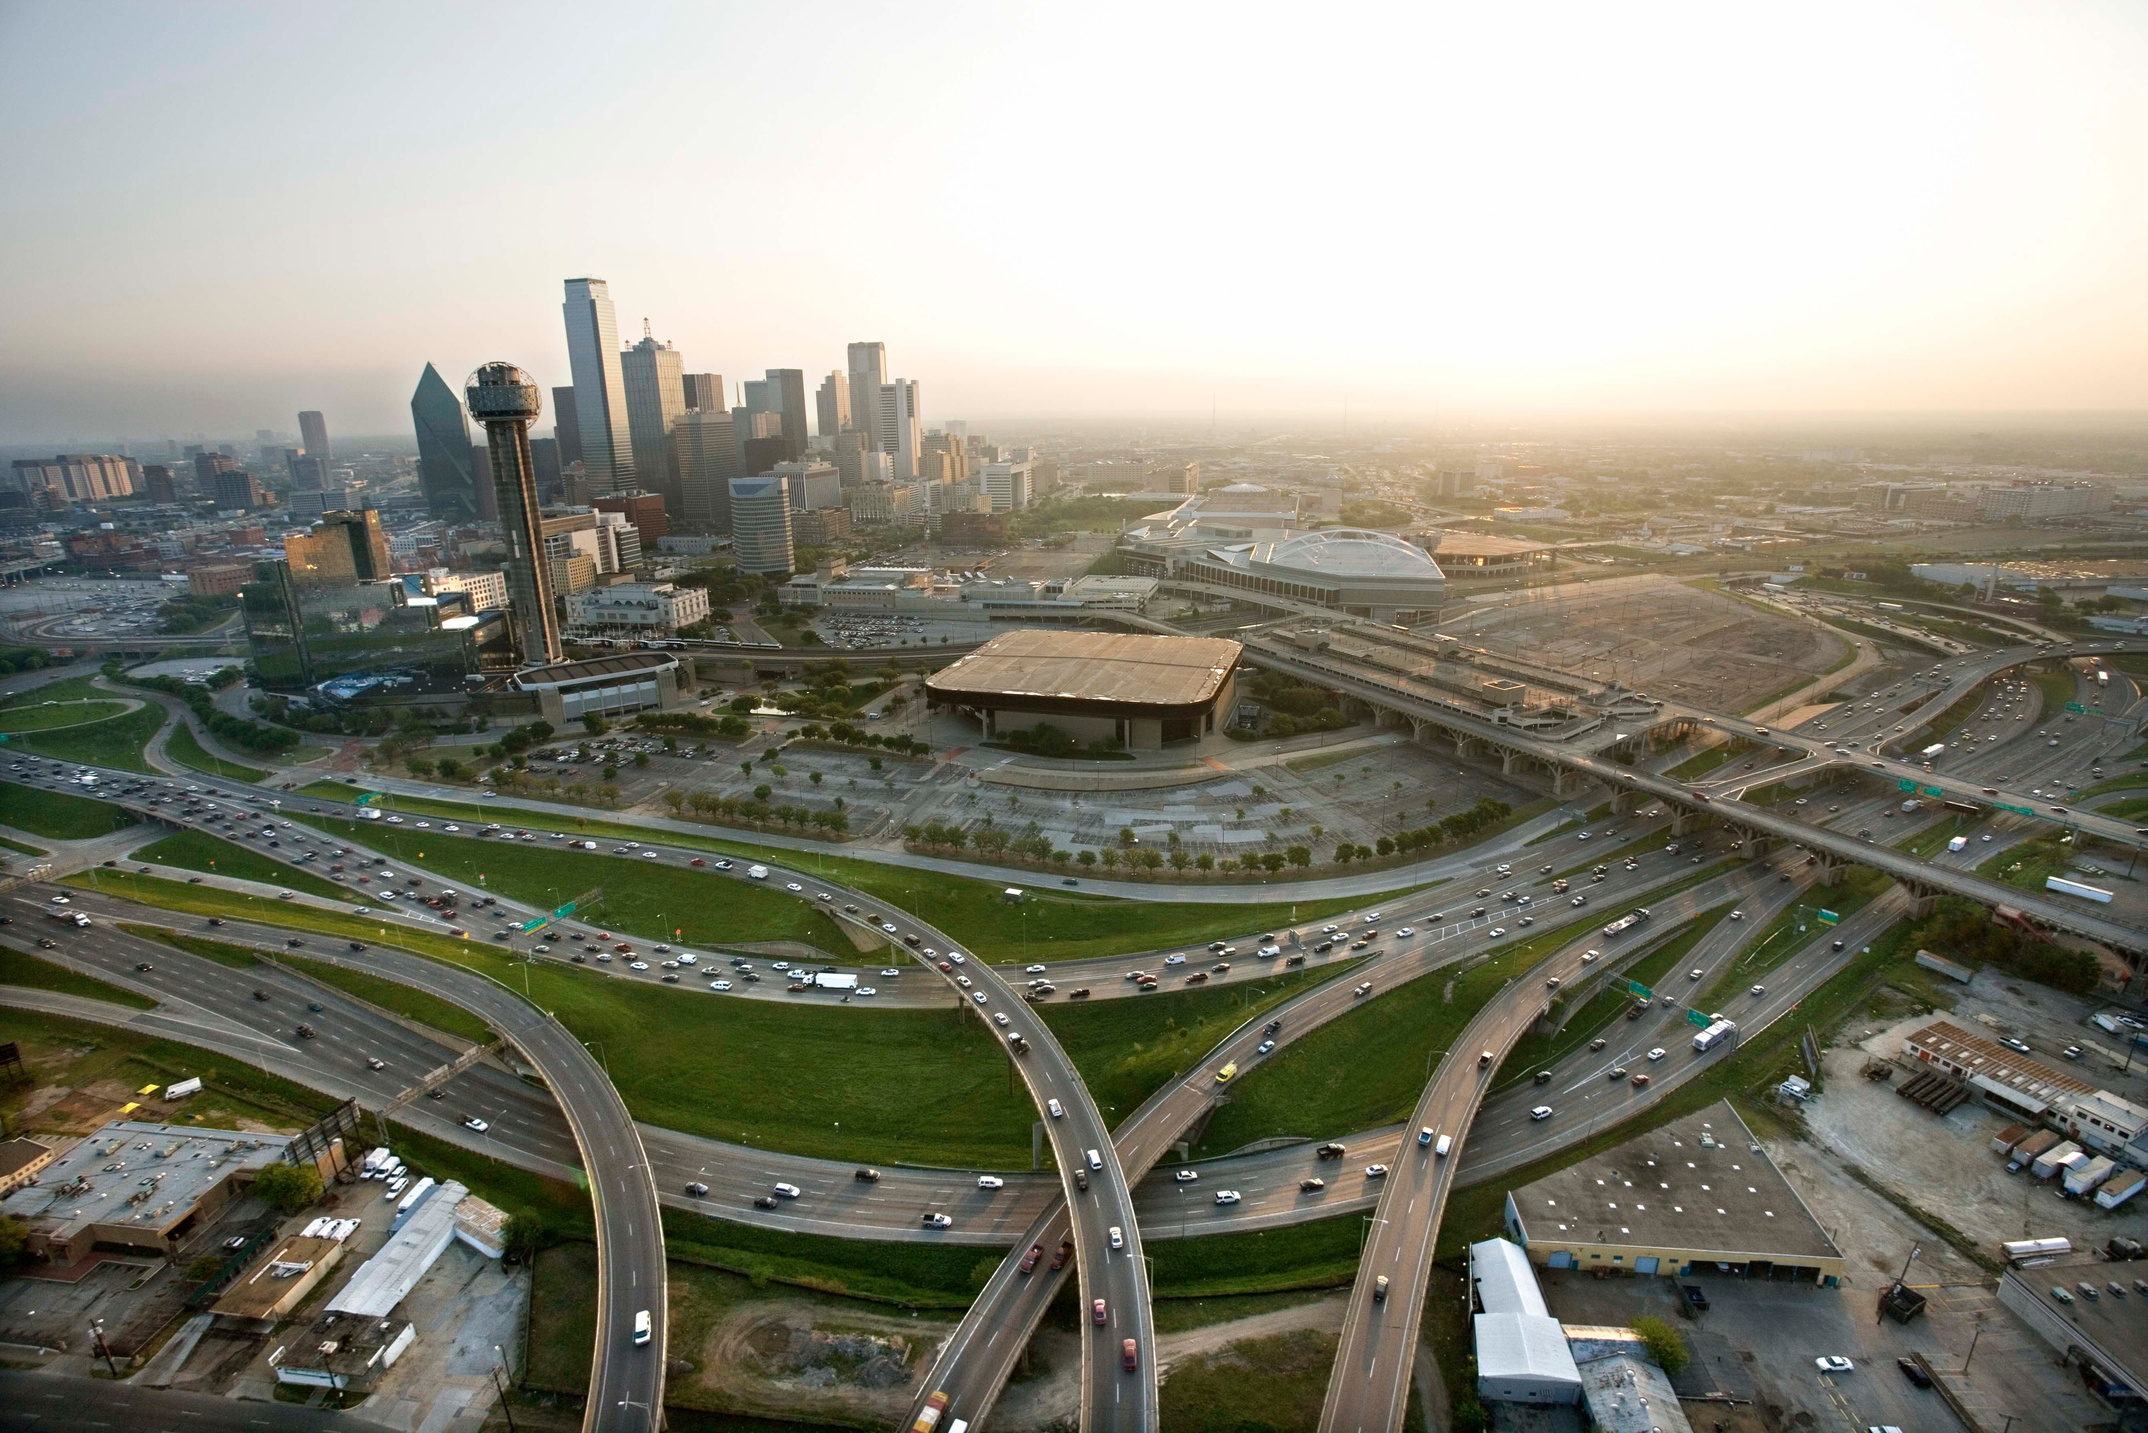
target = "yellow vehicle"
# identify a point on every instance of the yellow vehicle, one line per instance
(1223, 1076)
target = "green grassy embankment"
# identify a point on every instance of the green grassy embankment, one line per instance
(199, 851)
(115, 743)
(1049, 924)
(20, 719)
(42, 973)
(410, 1003)
(1368, 1067)
(183, 747)
(57, 815)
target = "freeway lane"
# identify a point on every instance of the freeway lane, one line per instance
(1611, 773)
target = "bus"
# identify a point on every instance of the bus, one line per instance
(1627, 921)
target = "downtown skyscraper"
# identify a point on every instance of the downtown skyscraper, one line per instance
(868, 370)
(313, 433)
(447, 472)
(600, 402)
(656, 396)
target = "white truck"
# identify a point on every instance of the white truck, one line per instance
(1627, 921)
(1932, 753)
(758, 873)
(2074, 888)
(1714, 1035)
(1959, 843)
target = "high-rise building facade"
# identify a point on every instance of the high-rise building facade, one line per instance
(600, 405)
(708, 460)
(850, 453)
(313, 435)
(704, 391)
(566, 431)
(787, 396)
(343, 547)
(832, 399)
(656, 396)
(161, 489)
(868, 365)
(238, 489)
(504, 400)
(644, 510)
(898, 426)
(446, 475)
(78, 477)
(1006, 484)
(761, 525)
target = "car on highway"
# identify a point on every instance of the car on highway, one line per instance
(1118, 1237)
(1186, 1176)
(1407, 930)
(1834, 1363)
(473, 1122)
(978, 996)
(990, 1181)
(1311, 1186)
(1227, 1196)
(1376, 1171)
(1914, 1372)
(1331, 1151)
(1097, 1314)
(1365, 989)
(1656, 1054)
(2020, 1046)
(937, 1221)
(719, 985)
(788, 1191)
(696, 1188)
(1541, 1112)
(1057, 1110)
(1760, 990)
(1130, 1356)
(1265, 1047)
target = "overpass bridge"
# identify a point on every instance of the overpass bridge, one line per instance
(1571, 770)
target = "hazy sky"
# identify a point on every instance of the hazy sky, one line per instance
(217, 215)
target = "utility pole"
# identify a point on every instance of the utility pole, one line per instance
(505, 1407)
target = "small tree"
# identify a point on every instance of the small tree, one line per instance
(1111, 858)
(288, 1187)
(420, 768)
(1205, 861)
(595, 725)
(1271, 862)
(524, 1235)
(1665, 1344)
(1180, 860)
(203, 1268)
(1299, 855)
(1345, 853)
(641, 758)
(674, 799)
(763, 791)
(1087, 858)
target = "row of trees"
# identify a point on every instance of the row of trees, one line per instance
(232, 731)
(758, 810)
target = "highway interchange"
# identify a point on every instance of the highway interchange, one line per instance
(972, 1368)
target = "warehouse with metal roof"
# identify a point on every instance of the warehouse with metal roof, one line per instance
(1522, 1355)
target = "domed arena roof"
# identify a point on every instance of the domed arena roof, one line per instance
(1354, 552)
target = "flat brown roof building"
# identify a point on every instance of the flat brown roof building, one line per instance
(1117, 688)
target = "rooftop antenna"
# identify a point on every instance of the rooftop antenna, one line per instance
(645, 329)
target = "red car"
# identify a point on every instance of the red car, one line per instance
(1029, 1260)
(1131, 1355)
(1096, 1312)
(1066, 1251)
(697, 861)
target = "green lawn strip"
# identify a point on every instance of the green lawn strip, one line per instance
(2057, 689)
(640, 898)
(2128, 810)
(1279, 1381)
(1046, 925)
(1126, 1049)
(17, 720)
(1183, 1315)
(1535, 1052)
(2132, 781)
(427, 806)
(238, 957)
(1721, 754)
(21, 968)
(1315, 760)
(114, 743)
(23, 847)
(56, 814)
(1368, 1067)
(1555, 833)
(1932, 840)
(404, 1000)
(1747, 1074)
(82, 1053)
(1314, 1255)
(184, 748)
(1783, 938)
(74, 689)
(560, 1341)
(199, 851)
(700, 1063)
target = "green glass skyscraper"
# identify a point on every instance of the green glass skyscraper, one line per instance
(446, 472)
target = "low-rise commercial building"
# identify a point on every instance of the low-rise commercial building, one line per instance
(1698, 1192)
(606, 686)
(2009, 1082)
(1522, 1355)
(141, 1185)
(1140, 692)
(636, 609)
(20, 1162)
(2103, 1339)
(276, 1283)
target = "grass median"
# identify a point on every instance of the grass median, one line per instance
(643, 898)
(1369, 1067)
(116, 743)
(238, 957)
(397, 999)
(19, 719)
(1126, 1049)
(885, 1086)
(199, 851)
(19, 967)
(56, 814)
(1045, 925)
(183, 747)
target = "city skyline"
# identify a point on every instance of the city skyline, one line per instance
(1602, 215)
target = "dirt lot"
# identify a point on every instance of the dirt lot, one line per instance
(1664, 638)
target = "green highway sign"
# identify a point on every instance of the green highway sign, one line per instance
(2076, 708)
(1905, 784)
(1694, 1017)
(1829, 918)
(368, 799)
(2017, 810)
(528, 926)
(1636, 988)
(1933, 791)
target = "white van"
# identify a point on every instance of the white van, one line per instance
(1446, 1142)
(759, 873)
(641, 1327)
(1096, 1161)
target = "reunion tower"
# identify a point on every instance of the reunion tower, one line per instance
(503, 398)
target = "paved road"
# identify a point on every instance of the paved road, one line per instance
(2062, 915)
(55, 1403)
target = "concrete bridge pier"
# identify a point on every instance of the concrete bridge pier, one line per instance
(1468, 747)
(1625, 801)
(1683, 821)
(1565, 782)
(1509, 761)
(1826, 871)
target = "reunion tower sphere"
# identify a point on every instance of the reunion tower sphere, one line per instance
(502, 393)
